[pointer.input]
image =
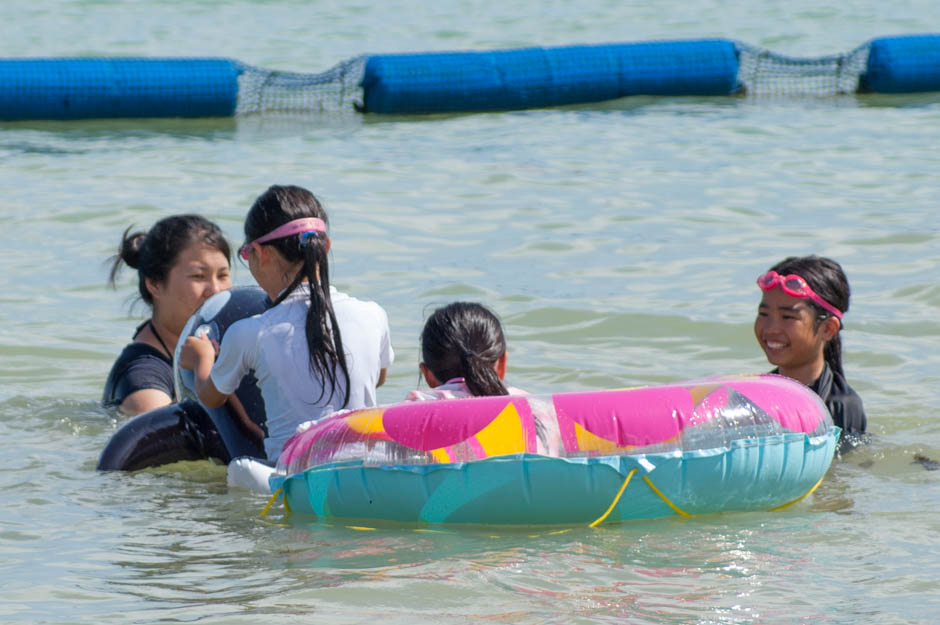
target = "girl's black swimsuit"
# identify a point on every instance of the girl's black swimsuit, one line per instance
(844, 405)
(843, 402)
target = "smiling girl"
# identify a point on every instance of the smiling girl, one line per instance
(798, 325)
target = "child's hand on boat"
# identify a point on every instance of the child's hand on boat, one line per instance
(195, 350)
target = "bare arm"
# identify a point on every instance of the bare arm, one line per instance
(382, 375)
(241, 417)
(144, 400)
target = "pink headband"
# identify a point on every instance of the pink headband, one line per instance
(306, 226)
(298, 226)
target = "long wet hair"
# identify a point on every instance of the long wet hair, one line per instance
(154, 253)
(465, 340)
(273, 208)
(826, 278)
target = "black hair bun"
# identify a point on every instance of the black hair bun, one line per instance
(130, 248)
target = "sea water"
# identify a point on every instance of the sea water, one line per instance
(619, 243)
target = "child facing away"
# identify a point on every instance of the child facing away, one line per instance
(798, 324)
(463, 353)
(316, 350)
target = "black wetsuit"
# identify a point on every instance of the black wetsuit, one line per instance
(139, 367)
(843, 402)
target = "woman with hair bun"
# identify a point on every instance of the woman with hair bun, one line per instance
(798, 326)
(181, 262)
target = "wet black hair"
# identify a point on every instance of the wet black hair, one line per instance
(154, 253)
(826, 278)
(465, 340)
(274, 208)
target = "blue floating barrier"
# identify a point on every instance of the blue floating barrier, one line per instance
(78, 88)
(441, 82)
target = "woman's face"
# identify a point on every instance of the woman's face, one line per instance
(786, 330)
(200, 272)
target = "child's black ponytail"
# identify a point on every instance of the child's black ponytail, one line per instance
(465, 340)
(826, 278)
(273, 208)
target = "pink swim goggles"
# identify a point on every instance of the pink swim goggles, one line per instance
(795, 286)
(307, 226)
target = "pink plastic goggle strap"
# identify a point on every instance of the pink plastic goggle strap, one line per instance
(805, 292)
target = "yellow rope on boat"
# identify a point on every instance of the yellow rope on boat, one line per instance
(675, 508)
(799, 499)
(614, 502)
(271, 501)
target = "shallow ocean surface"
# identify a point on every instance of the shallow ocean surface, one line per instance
(619, 243)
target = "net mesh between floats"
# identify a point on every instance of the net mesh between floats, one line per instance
(764, 73)
(337, 90)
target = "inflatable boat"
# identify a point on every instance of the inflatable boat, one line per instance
(701, 447)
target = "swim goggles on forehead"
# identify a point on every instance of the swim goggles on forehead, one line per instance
(308, 226)
(794, 286)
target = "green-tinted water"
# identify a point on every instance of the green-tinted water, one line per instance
(618, 242)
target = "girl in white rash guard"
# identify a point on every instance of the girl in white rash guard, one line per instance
(316, 350)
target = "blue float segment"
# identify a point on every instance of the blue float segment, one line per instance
(84, 88)
(539, 77)
(905, 64)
